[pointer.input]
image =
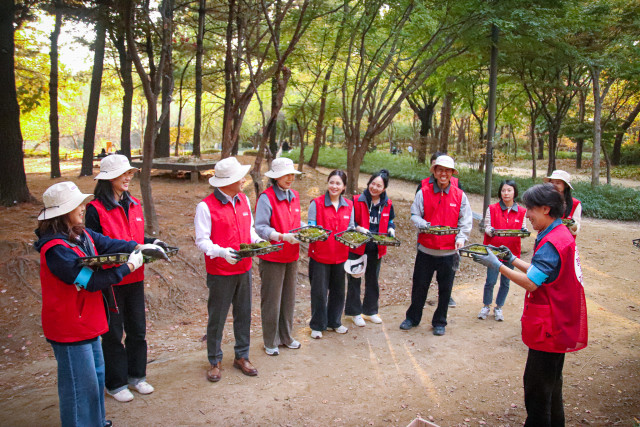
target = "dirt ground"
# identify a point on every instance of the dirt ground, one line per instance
(376, 375)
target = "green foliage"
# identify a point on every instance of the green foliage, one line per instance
(608, 202)
(630, 154)
(626, 172)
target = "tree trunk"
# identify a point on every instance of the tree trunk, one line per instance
(180, 107)
(532, 141)
(127, 98)
(617, 144)
(540, 147)
(597, 127)
(53, 97)
(445, 122)
(151, 219)
(94, 96)
(553, 144)
(608, 163)
(301, 132)
(162, 146)
(355, 156)
(197, 120)
(13, 181)
(424, 112)
(580, 140)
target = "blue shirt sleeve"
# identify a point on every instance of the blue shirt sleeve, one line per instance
(545, 265)
(106, 245)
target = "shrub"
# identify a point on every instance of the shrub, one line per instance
(630, 154)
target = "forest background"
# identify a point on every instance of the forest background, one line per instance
(510, 82)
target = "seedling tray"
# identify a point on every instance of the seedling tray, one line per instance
(119, 258)
(478, 249)
(352, 238)
(246, 253)
(511, 233)
(439, 230)
(311, 233)
(382, 239)
(636, 243)
(569, 222)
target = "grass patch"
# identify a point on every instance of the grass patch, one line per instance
(607, 202)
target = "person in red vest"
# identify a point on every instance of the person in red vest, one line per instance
(73, 312)
(326, 266)
(373, 212)
(438, 204)
(504, 215)
(573, 208)
(277, 212)
(223, 221)
(554, 319)
(115, 213)
(431, 180)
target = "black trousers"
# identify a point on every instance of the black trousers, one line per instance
(369, 304)
(327, 295)
(126, 362)
(543, 389)
(423, 271)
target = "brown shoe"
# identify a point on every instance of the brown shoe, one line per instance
(213, 374)
(245, 366)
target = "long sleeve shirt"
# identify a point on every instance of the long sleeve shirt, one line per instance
(264, 210)
(202, 223)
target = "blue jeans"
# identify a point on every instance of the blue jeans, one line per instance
(80, 383)
(492, 278)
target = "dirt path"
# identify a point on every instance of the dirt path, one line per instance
(376, 375)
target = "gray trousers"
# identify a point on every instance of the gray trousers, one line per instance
(278, 300)
(224, 291)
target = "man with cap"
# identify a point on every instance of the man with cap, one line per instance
(223, 221)
(277, 212)
(438, 204)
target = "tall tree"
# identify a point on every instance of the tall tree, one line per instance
(94, 95)
(423, 103)
(197, 120)
(13, 180)
(162, 147)
(53, 94)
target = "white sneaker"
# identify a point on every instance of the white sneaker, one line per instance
(294, 345)
(374, 318)
(358, 320)
(271, 351)
(497, 313)
(484, 312)
(316, 334)
(340, 329)
(123, 395)
(142, 387)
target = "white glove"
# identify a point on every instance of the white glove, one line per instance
(362, 230)
(290, 238)
(135, 259)
(392, 232)
(490, 231)
(423, 223)
(229, 254)
(151, 246)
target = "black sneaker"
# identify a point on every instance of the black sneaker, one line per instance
(452, 303)
(406, 325)
(438, 330)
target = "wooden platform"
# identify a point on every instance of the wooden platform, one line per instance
(195, 166)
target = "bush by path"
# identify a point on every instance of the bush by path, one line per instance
(606, 202)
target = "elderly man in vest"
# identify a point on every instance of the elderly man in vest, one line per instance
(438, 203)
(223, 221)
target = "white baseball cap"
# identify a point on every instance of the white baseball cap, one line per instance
(60, 199)
(561, 175)
(280, 167)
(228, 171)
(445, 162)
(113, 166)
(356, 267)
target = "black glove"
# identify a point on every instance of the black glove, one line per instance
(162, 244)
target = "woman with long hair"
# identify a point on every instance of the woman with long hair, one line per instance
(73, 312)
(373, 212)
(326, 266)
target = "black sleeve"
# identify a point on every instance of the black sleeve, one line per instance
(107, 245)
(92, 219)
(392, 215)
(149, 239)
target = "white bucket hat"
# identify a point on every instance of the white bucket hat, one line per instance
(60, 199)
(228, 171)
(356, 267)
(561, 175)
(113, 166)
(280, 167)
(444, 161)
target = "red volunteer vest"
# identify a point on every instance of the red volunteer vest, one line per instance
(330, 251)
(454, 182)
(554, 318)
(361, 216)
(230, 226)
(285, 216)
(69, 315)
(576, 202)
(116, 225)
(506, 220)
(440, 209)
